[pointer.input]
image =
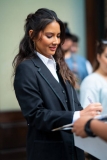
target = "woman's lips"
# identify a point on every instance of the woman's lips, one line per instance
(53, 48)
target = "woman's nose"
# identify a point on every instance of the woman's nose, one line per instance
(56, 40)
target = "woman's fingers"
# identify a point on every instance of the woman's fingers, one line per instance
(92, 109)
(97, 106)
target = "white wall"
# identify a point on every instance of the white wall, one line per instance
(12, 16)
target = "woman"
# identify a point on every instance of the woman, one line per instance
(94, 86)
(44, 89)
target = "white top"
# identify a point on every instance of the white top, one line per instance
(94, 86)
(51, 65)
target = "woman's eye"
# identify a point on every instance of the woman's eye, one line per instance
(58, 36)
(49, 36)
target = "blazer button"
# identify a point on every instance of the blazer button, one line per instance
(66, 101)
(63, 91)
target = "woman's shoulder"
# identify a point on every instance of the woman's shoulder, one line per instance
(26, 66)
(91, 79)
(91, 76)
(26, 63)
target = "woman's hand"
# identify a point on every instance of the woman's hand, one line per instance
(89, 112)
(92, 109)
(78, 126)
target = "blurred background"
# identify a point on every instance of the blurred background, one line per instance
(85, 18)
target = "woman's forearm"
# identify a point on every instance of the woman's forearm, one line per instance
(99, 128)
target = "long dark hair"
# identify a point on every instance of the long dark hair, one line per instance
(37, 22)
(101, 45)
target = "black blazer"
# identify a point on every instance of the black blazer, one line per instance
(41, 100)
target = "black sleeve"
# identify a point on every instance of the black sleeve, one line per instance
(29, 98)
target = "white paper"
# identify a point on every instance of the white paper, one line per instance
(69, 126)
(95, 146)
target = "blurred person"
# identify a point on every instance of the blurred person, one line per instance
(77, 63)
(44, 88)
(67, 42)
(87, 126)
(94, 86)
(66, 46)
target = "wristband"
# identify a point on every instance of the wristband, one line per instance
(88, 130)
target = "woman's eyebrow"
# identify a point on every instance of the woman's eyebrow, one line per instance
(49, 32)
(52, 33)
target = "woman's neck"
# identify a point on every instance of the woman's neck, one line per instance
(101, 72)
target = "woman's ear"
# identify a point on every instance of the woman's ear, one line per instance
(30, 33)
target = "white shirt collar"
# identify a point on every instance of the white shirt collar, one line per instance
(50, 63)
(46, 60)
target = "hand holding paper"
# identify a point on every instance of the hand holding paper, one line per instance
(97, 126)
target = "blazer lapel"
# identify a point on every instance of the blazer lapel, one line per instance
(49, 78)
